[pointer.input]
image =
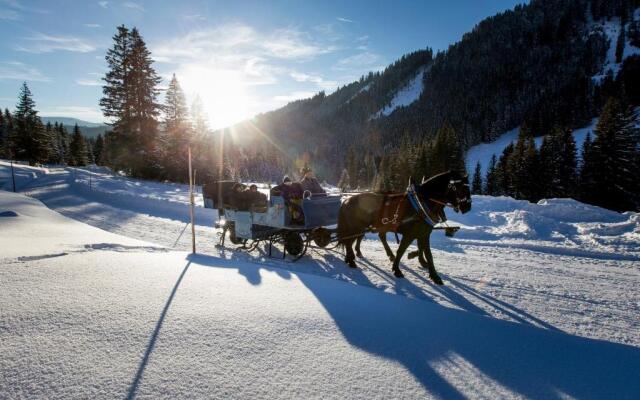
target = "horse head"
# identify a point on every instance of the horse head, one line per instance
(449, 188)
(459, 194)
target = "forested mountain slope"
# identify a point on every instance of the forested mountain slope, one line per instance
(548, 63)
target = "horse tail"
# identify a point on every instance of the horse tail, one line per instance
(344, 231)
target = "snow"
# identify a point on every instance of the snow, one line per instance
(361, 90)
(611, 30)
(563, 226)
(540, 301)
(484, 151)
(406, 95)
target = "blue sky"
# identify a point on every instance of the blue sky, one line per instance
(239, 57)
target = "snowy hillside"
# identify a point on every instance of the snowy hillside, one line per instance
(483, 152)
(611, 29)
(405, 95)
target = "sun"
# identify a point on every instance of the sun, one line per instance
(223, 93)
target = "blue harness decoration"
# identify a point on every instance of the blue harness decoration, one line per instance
(417, 205)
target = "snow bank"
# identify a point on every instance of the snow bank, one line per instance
(406, 95)
(120, 320)
(563, 226)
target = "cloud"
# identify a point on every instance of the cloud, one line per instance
(88, 82)
(90, 114)
(362, 38)
(19, 6)
(255, 55)
(93, 25)
(347, 20)
(14, 70)
(42, 43)
(236, 40)
(134, 6)
(94, 81)
(9, 15)
(359, 60)
(194, 17)
(103, 4)
(316, 79)
(288, 98)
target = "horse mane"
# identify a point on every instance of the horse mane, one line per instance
(437, 178)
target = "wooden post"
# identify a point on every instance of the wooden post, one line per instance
(191, 205)
(13, 177)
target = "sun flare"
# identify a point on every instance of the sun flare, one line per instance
(223, 94)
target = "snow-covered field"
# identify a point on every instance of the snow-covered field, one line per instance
(540, 301)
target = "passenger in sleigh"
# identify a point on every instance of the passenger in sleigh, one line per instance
(310, 184)
(291, 192)
(246, 199)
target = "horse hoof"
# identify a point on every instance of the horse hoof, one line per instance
(359, 255)
(398, 274)
(436, 279)
(352, 264)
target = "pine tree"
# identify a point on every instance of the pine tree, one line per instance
(199, 117)
(8, 133)
(476, 184)
(558, 164)
(55, 152)
(3, 135)
(504, 176)
(343, 183)
(89, 150)
(517, 168)
(29, 140)
(447, 151)
(588, 188)
(130, 98)
(612, 160)
(63, 143)
(531, 164)
(115, 103)
(567, 175)
(491, 187)
(177, 134)
(97, 150)
(620, 44)
(78, 148)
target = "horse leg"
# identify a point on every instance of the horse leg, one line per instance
(383, 239)
(424, 248)
(404, 243)
(358, 241)
(349, 258)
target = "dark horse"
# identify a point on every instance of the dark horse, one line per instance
(411, 214)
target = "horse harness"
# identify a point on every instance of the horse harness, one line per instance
(390, 222)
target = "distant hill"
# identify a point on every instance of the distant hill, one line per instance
(89, 129)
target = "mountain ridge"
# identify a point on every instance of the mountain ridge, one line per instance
(533, 64)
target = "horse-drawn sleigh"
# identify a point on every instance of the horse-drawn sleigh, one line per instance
(332, 219)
